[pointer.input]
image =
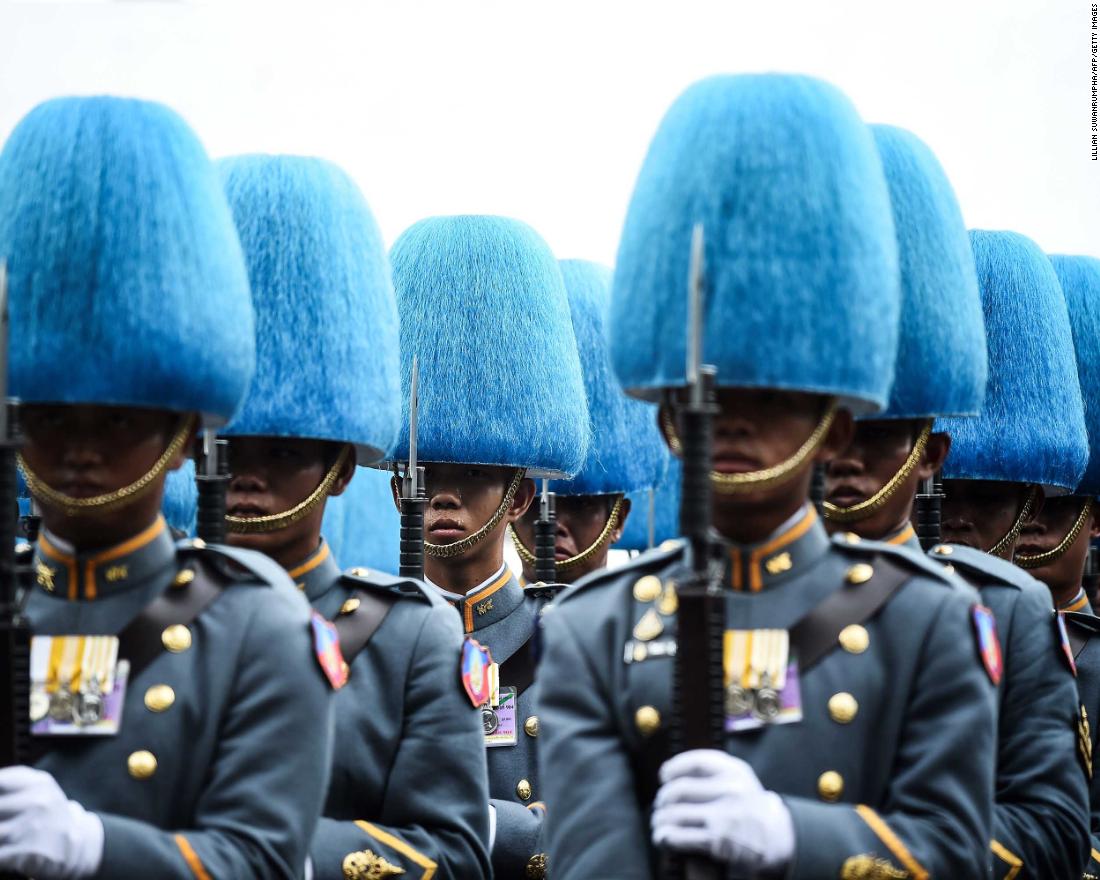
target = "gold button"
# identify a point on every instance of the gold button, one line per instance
(830, 784)
(350, 606)
(670, 544)
(176, 638)
(159, 697)
(860, 573)
(536, 867)
(943, 550)
(842, 707)
(523, 790)
(647, 588)
(852, 538)
(198, 543)
(854, 639)
(142, 764)
(531, 726)
(359, 572)
(183, 578)
(647, 720)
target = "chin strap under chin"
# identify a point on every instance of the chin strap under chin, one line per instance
(755, 481)
(261, 525)
(1038, 560)
(877, 501)
(449, 551)
(1008, 542)
(99, 504)
(573, 561)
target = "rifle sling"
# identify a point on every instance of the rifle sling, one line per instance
(356, 630)
(518, 671)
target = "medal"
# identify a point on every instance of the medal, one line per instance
(490, 720)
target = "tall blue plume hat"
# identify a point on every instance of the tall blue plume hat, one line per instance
(180, 504)
(483, 308)
(362, 526)
(326, 318)
(1032, 425)
(800, 255)
(1080, 280)
(941, 367)
(126, 281)
(666, 512)
(627, 451)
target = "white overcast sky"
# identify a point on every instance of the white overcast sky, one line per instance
(543, 110)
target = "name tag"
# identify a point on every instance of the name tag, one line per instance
(78, 685)
(761, 679)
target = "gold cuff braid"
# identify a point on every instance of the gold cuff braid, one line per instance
(573, 561)
(257, 525)
(449, 551)
(1038, 560)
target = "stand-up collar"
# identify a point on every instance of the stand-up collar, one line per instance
(906, 536)
(798, 542)
(62, 572)
(317, 573)
(490, 601)
(1080, 603)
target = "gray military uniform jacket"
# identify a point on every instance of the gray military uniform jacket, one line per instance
(408, 791)
(1040, 817)
(220, 762)
(890, 770)
(503, 616)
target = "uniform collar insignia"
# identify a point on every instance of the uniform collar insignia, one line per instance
(796, 543)
(317, 573)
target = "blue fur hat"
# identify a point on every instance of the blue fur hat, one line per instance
(1080, 279)
(1032, 425)
(362, 526)
(666, 513)
(326, 319)
(941, 366)
(484, 309)
(627, 450)
(126, 281)
(181, 498)
(800, 269)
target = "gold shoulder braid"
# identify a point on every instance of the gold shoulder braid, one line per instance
(449, 551)
(1038, 560)
(254, 525)
(754, 481)
(98, 504)
(573, 561)
(866, 508)
(1009, 539)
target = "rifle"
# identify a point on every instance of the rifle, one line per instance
(212, 481)
(546, 532)
(15, 631)
(929, 512)
(698, 717)
(817, 489)
(414, 499)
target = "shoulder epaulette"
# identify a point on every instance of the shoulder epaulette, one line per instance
(989, 569)
(1084, 621)
(380, 582)
(647, 562)
(540, 590)
(911, 559)
(247, 565)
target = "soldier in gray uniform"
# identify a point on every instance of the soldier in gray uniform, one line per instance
(407, 793)
(484, 310)
(1030, 439)
(859, 723)
(167, 677)
(626, 455)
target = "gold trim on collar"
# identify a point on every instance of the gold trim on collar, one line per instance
(1077, 605)
(756, 556)
(902, 536)
(142, 539)
(310, 564)
(480, 596)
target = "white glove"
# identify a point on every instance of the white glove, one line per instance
(712, 804)
(43, 834)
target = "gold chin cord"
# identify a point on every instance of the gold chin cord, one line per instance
(755, 481)
(449, 551)
(1006, 543)
(257, 525)
(573, 561)
(877, 501)
(1038, 560)
(99, 504)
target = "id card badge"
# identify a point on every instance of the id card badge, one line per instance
(761, 679)
(499, 721)
(78, 685)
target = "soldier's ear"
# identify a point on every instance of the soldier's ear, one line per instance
(188, 446)
(839, 438)
(624, 512)
(525, 494)
(347, 471)
(935, 454)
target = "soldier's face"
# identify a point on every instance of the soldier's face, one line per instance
(85, 451)
(979, 513)
(1054, 522)
(877, 452)
(581, 520)
(270, 475)
(462, 498)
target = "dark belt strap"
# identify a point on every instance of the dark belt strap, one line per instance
(518, 671)
(1077, 640)
(355, 630)
(816, 634)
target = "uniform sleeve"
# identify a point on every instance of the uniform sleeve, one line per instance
(518, 837)
(434, 821)
(935, 817)
(1040, 819)
(267, 780)
(594, 826)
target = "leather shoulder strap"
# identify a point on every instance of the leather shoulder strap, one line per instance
(816, 634)
(518, 671)
(356, 629)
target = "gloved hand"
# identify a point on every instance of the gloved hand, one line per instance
(43, 834)
(712, 804)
